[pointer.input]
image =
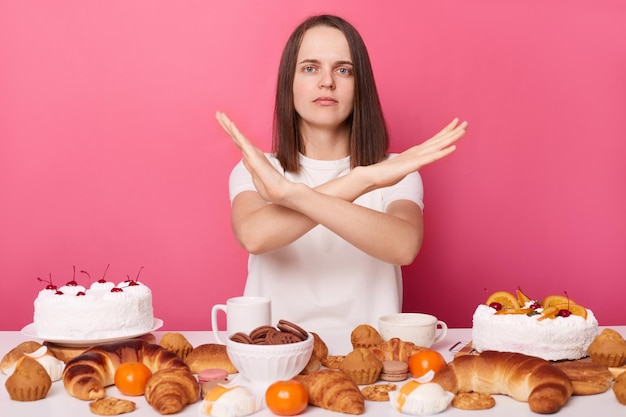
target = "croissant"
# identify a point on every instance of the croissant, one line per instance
(87, 375)
(169, 390)
(333, 390)
(525, 378)
(394, 349)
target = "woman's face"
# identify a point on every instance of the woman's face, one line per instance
(323, 86)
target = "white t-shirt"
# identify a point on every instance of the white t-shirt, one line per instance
(320, 281)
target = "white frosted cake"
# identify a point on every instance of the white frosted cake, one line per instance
(103, 311)
(555, 338)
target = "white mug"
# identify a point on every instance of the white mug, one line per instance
(243, 314)
(418, 328)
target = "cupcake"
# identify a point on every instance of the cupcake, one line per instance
(365, 336)
(29, 382)
(608, 348)
(362, 366)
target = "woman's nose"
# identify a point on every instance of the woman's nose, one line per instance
(327, 80)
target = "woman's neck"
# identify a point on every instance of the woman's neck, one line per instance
(326, 144)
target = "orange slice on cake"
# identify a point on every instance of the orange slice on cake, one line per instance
(575, 309)
(553, 300)
(504, 298)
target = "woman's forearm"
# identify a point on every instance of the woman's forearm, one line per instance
(262, 227)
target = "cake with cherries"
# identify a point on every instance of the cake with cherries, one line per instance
(555, 328)
(102, 311)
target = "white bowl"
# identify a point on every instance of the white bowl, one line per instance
(265, 364)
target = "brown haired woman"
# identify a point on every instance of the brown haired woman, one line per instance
(329, 217)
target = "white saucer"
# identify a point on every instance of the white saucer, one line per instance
(29, 330)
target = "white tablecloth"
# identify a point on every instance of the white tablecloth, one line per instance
(60, 404)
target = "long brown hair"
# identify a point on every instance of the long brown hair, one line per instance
(369, 138)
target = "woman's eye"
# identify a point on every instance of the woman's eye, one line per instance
(308, 69)
(344, 71)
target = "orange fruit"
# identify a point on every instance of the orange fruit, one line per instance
(420, 363)
(575, 309)
(131, 377)
(287, 398)
(504, 298)
(514, 311)
(553, 300)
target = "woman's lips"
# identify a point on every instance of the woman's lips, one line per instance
(325, 101)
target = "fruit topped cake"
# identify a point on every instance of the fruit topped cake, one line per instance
(555, 328)
(102, 311)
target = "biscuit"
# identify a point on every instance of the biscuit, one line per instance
(241, 337)
(588, 378)
(111, 406)
(378, 392)
(291, 328)
(473, 401)
(332, 361)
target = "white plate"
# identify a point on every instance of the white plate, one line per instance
(29, 330)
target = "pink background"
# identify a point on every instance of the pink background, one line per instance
(110, 154)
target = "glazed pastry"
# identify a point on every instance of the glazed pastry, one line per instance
(333, 390)
(362, 366)
(365, 335)
(177, 343)
(29, 382)
(588, 378)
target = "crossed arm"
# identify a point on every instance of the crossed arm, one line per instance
(394, 236)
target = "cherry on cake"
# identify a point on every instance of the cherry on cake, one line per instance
(102, 311)
(555, 328)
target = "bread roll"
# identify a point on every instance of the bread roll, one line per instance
(87, 375)
(210, 355)
(525, 378)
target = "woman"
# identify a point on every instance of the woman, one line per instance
(328, 218)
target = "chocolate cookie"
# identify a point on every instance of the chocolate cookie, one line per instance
(289, 327)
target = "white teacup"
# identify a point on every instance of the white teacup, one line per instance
(418, 328)
(243, 314)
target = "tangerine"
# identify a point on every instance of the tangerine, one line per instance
(131, 378)
(420, 363)
(287, 398)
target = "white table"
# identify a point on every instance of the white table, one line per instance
(60, 404)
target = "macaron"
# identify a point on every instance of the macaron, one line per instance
(394, 371)
(209, 378)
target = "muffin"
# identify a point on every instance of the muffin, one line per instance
(176, 343)
(608, 348)
(29, 382)
(362, 366)
(365, 336)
